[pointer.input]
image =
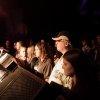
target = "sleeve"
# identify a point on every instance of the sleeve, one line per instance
(48, 68)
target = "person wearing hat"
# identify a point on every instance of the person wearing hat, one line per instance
(63, 44)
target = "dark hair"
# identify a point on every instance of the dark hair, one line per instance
(80, 63)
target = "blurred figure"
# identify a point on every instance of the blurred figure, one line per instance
(88, 50)
(93, 44)
(85, 46)
(30, 53)
(17, 46)
(21, 54)
(21, 59)
(7, 47)
(30, 57)
(97, 55)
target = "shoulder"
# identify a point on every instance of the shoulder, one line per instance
(49, 61)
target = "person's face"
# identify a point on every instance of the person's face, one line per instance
(18, 46)
(68, 68)
(37, 51)
(60, 45)
(7, 43)
(23, 51)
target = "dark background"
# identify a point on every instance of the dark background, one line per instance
(38, 19)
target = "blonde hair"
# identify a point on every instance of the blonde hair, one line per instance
(30, 53)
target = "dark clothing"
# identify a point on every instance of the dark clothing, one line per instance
(97, 56)
(80, 92)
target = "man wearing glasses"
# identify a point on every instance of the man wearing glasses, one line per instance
(63, 45)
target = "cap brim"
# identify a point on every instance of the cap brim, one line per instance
(60, 37)
(57, 38)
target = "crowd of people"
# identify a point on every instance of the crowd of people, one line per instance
(73, 73)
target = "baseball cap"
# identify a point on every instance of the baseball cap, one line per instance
(63, 35)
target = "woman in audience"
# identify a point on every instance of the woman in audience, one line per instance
(21, 59)
(81, 82)
(30, 57)
(45, 64)
(17, 46)
(30, 53)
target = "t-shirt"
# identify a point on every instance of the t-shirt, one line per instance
(58, 75)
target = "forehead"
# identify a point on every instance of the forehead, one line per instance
(66, 62)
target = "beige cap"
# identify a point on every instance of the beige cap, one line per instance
(61, 38)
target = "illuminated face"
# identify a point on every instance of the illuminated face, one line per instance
(37, 51)
(68, 68)
(60, 45)
(18, 46)
(23, 51)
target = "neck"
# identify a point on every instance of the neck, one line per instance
(64, 51)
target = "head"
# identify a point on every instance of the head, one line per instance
(23, 51)
(7, 43)
(74, 62)
(62, 42)
(85, 42)
(40, 49)
(30, 51)
(19, 44)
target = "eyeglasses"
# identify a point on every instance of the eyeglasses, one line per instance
(64, 41)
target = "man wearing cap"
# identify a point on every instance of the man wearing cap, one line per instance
(63, 45)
